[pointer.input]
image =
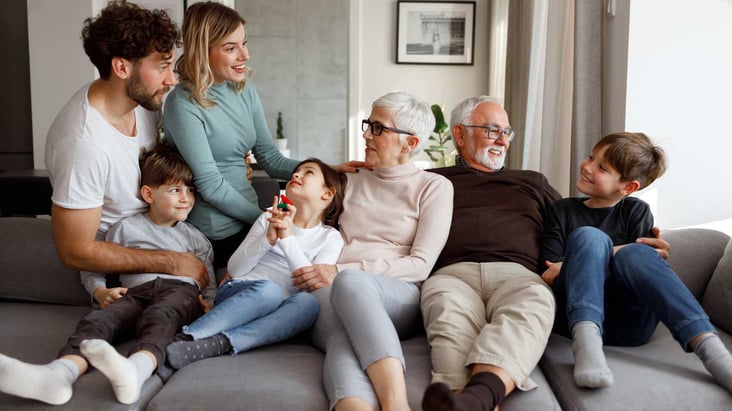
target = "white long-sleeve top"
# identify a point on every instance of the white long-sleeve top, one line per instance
(395, 221)
(257, 259)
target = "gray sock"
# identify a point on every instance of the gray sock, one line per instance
(182, 353)
(716, 359)
(590, 367)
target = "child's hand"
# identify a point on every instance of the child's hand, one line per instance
(551, 272)
(106, 296)
(281, 222)
(271, 229)
(206, 306)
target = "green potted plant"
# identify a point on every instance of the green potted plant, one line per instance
(281, 140)
(439, 152)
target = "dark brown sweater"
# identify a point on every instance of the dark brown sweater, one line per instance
(497, 217)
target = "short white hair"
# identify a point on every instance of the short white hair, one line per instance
(409, 113)
(465, 108)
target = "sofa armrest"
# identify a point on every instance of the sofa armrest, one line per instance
(695, 253)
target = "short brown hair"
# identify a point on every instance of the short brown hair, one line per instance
(128, 31)
(335, 181)
(164, 165)
(634, 156)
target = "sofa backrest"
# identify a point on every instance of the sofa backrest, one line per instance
(717, 301)
(29, 267)
(695, 253)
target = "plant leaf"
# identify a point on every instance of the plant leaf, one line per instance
(440, 124)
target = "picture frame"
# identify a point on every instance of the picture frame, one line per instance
(435, 32)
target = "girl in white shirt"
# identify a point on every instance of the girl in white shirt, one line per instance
(257, 304)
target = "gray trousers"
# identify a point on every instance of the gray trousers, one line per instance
(362, 318)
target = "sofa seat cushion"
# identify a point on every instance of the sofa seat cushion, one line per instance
(34, 333)
(289, 376)
(656, 376)
(277, 377)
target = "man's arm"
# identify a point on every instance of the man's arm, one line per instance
(74, 232)
(662, 246)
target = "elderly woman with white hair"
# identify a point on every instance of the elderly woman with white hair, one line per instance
(395, 222)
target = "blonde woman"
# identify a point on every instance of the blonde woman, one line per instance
(213, 117)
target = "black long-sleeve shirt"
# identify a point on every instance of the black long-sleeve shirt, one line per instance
(624, 222)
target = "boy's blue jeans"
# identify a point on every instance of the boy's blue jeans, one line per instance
(252, 313)
(625, 294)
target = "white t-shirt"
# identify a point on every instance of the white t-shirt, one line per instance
(92, 164)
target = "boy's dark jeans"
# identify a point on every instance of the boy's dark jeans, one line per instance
(153, 312)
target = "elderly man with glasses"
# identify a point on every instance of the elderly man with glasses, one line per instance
(488, 315)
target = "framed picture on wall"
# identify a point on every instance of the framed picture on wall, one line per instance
(435, 32)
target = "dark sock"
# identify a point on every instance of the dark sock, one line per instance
(182, 353)
(483, 392)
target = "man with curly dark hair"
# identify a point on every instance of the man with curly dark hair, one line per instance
(95, 142)
(92, 155)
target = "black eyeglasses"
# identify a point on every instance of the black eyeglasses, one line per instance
(378, 128)
(495, 132)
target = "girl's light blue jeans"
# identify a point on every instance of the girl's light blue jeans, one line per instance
(625, 294)
(252, 313)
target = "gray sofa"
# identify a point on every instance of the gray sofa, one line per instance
(41, 301)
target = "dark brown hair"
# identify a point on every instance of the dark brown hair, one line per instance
(335, 181)
(128, 31)
(634, 156)
(164, 165)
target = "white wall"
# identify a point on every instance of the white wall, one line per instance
(58, 64)
(373, 71)
(679, 88)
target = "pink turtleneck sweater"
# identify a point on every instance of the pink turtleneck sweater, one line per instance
(395, 221)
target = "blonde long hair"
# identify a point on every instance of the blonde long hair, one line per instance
(204, 25)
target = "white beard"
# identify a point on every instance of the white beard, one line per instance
(482, 156)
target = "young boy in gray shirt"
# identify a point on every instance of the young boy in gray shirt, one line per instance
(149, 306)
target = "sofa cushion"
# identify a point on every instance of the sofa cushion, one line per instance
(717, 300)
(694, 255)
(30, 268)
(658, 375)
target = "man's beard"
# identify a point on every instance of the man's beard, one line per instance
(137, 91)
(482, 157)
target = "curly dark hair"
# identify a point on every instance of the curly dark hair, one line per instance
(128, 31)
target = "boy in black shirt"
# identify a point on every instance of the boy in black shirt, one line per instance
(608, 286)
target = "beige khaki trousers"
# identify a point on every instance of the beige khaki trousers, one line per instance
(499, 314)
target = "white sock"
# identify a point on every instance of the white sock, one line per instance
(590, 367)
(50, 383)
(123, 373)
(717, 359)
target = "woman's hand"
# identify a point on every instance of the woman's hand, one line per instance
(248, 162)
(315, 276)
(661, 246)
(350, 166)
